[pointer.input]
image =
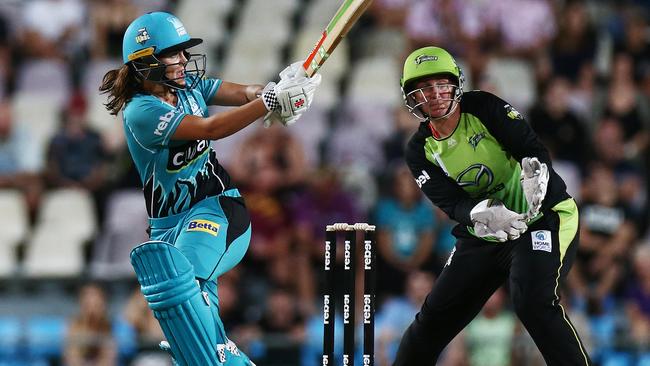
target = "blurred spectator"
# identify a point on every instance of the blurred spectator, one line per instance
(146, 330)
(110, 19)
(53, 29)
(635, 44)
(574, 48)
(282, 328)
(386, 37)
(323, 202)
(89, 340)
(405, 125)
(521, 28)
(20, 160)
(272, 155)
(76, 157)
(136, 312)
(397, 313)
(6, 55)
(230, 308)
(455, 25)
(610, 150)
(637, 297)
(405, 231)
(281, 315)
(565, 135)
(124, 211)
(269, 161)
(389, 13)
(609, 146)
(606, 233)
(489, 337)
(282, 274)
(625, 104)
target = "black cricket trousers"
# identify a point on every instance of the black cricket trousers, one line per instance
(534, 264)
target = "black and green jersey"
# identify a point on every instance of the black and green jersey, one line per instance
(480, 159)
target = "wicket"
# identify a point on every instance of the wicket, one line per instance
(331, 292)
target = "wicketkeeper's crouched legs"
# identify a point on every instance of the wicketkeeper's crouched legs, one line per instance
(458, 295)
(553, 333)
(187, 316)
(536, 276)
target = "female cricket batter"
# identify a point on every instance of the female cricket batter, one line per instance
(465, 157)
(199, 224)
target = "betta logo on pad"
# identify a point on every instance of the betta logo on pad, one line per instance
(204, 225)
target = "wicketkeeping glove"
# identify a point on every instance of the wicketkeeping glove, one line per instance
(534, 181)
(493, 220)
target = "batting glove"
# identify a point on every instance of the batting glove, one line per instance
(292, 71)
(492, 219)
(289, 99)
(534, 181)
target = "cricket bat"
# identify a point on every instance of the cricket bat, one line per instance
(345, 17)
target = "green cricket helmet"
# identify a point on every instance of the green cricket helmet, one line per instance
(158, 33)
(423, 63)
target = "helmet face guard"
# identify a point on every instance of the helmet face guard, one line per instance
(425, 63)
(416, 100)
(151, 68)
(154, 34)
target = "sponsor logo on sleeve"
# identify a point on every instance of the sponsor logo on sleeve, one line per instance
(512, 112)
(542, 240)
(422, 178)
(205, 226)
(163, 123)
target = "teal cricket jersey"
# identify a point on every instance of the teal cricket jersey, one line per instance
(175, 174)
(479, 160)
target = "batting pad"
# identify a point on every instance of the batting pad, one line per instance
(167, 281)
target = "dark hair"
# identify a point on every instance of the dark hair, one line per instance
(120, 85)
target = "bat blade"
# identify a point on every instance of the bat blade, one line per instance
(345, 17)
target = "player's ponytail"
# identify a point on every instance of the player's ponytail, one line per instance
(120, 85)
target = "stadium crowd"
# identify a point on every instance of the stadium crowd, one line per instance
(578, 70)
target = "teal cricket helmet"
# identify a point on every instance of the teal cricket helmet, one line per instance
(153, 34)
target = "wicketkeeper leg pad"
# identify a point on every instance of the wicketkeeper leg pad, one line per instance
(167, 281)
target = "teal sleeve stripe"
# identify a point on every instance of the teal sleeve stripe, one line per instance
(213, 91)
